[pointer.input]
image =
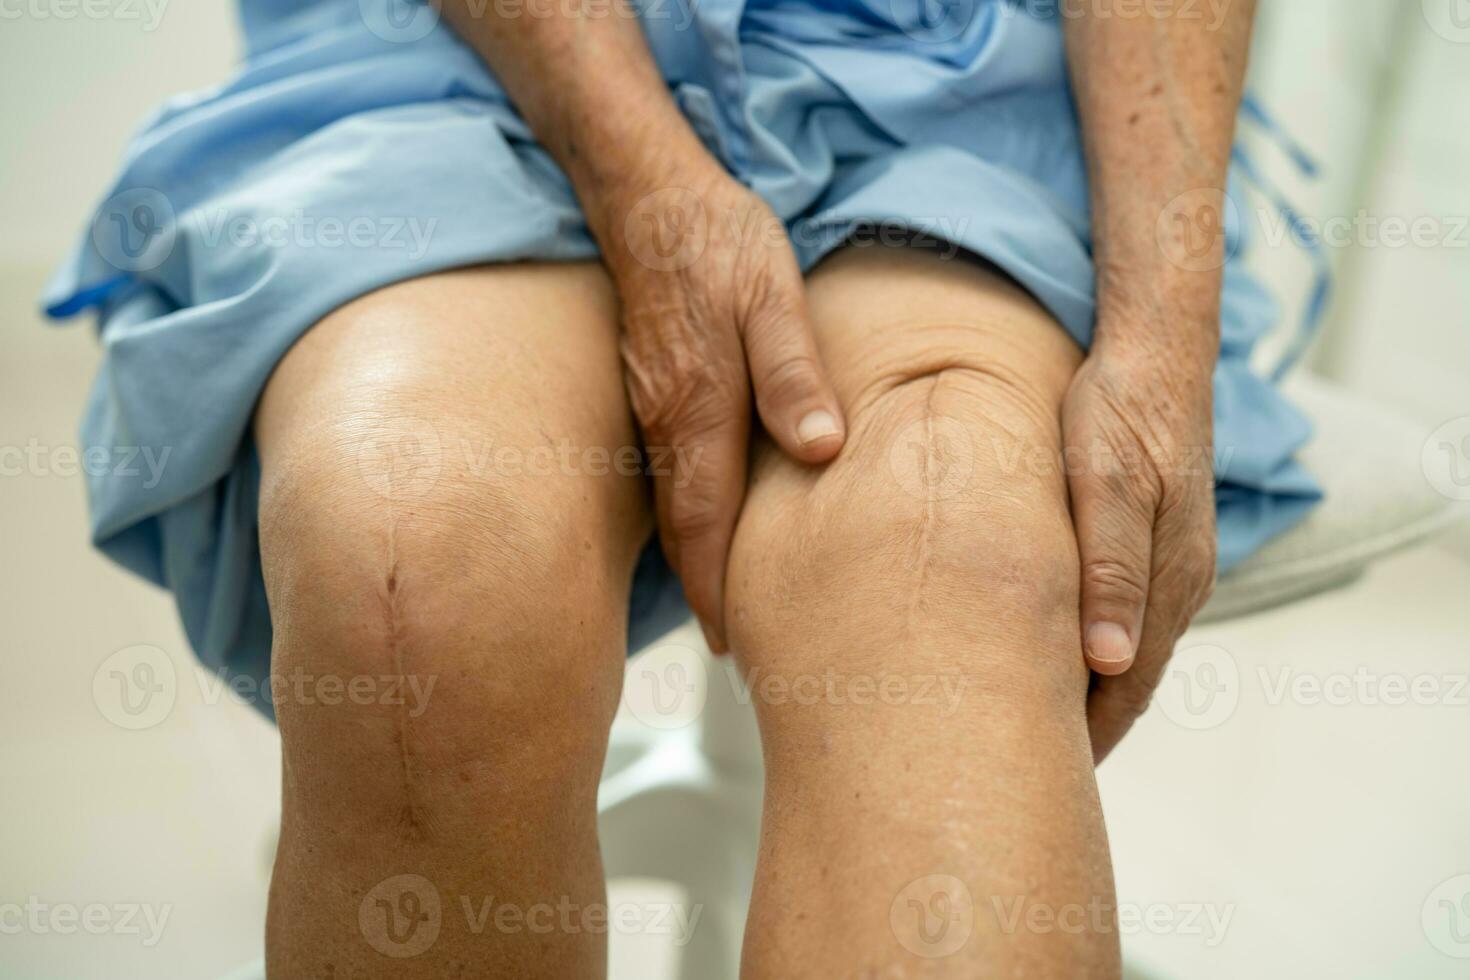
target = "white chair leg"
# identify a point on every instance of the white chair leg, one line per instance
(684, 806)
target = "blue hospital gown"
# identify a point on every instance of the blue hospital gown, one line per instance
(369, 123)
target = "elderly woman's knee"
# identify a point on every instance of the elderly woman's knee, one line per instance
(439, 650)
(942, 534)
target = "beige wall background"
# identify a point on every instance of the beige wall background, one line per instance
(77, 85)
(1379, 92)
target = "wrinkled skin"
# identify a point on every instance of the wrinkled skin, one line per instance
(1143, 503)
(713, 309)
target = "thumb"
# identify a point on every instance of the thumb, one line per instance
(1115, 544)
(792, 393)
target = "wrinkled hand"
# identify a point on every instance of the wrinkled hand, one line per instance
(1138, 426)
(713, 305)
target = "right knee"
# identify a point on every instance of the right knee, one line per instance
(439, 650)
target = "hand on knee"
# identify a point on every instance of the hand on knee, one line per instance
(938, 542)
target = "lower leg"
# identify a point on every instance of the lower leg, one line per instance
(936, 791)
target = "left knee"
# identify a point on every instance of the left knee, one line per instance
(938, 543)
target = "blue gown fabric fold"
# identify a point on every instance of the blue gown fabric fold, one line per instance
(229, 232)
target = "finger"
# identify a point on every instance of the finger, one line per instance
(697, 505)
(694, 414)
(1182, 575)
(1113, 704)
(1114, 522)
(1116, 702)
(795, 399)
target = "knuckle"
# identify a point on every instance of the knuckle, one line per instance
(1131, 696)
(1120, 486)
(773, 290)
(1190, 577)
(1206, 590)
(790, 378)
(1114, 581)
(705, 418)
(679, 400)
(1203, 563)
(1189, 548)
(692, 515)
(1204, 583)
(1207, 549)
